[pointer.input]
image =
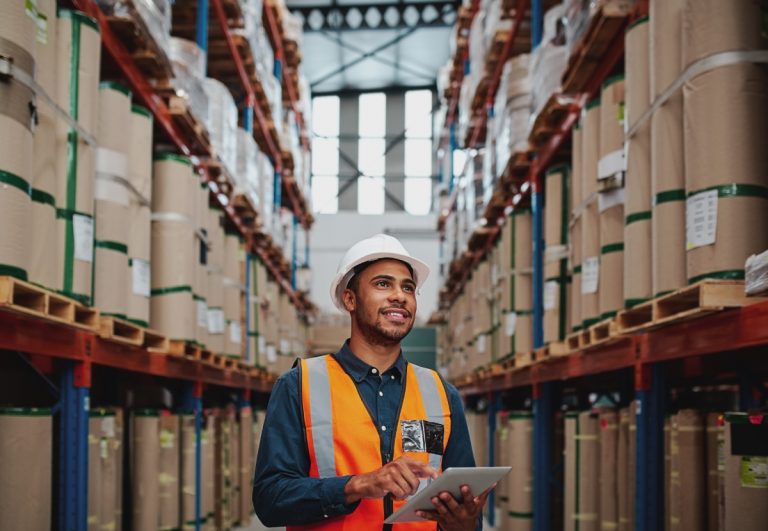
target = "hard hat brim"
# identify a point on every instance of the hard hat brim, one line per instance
(340, 281)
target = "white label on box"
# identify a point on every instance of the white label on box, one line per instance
(202, 314)
(108, 426)
(701, 219)
(83, 228)
(262, 344)
(551, 289)
(590, 275)
(754, 472)
(610, 199)
(285, 346)
(234, 332)
(481, 344)
(140, 273)
(167, 439)
(216, 321)
(510, 324)
(271, 354)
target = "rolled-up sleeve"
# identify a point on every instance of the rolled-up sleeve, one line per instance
(283, 492)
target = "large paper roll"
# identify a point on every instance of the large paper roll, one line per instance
(187, 477)
(590, 264)
(577, 152)
(612, 117)
(145, 461)
(725, 173)
(637, 58)
(688, 473)
(666, 43)
(711, 26)
(611, 280)
(590, 148)
(78, 61)
(668, 189)
(520, 506)
(168, 472)
(18, 28)
(26, 459)
(575, 286)
(246, 462)
(609, 447)
(174, 187)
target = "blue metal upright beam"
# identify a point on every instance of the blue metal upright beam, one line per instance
(537, 213)
(277, 193)
(649, 474)
(248, 117)
(537, 22)
(201, 28)
(493, 409)
(543, 415)
(74, 406)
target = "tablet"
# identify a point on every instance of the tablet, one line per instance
(477, 478)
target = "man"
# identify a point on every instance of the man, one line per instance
(349, 436)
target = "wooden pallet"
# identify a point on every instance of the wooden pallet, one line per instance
(551, 117)
(602, 332)
(523, 359)
(130, 29)
(559, 348)
(191, 127)
(606, 26)
(577, 340)
(690, 302)
(23, 297)
(120, 331)
(517, 168)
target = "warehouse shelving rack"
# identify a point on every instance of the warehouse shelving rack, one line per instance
(709, 347)
(69, 353)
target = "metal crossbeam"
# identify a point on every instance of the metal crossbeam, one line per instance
(336, 17)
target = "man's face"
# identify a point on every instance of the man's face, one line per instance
(384, 303)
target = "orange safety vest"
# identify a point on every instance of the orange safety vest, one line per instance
(342, 438)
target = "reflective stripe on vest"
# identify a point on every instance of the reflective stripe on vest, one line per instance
(342, 438)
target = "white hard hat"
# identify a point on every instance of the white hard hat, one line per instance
(374, 248)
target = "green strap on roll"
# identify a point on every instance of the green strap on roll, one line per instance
(197, 297)
(725, 191)
(637, 216)
(13, 271)
(25, 411)
(524, 516)
(172, 289)
(39, 196)
(114, 85)
(11, 179)
(111, 246)
(630, 303)
(733, 274)
(586, 323)
(577, 269)
(164, 156)
(608, 315)
(138, 109)
(115, 315)
(612, 248)
(138, 322)
(669, 196)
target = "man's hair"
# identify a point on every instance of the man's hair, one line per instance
(354, 282)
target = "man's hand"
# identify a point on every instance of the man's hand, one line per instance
(451, 515)
(399, 478)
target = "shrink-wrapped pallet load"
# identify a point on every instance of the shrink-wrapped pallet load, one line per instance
(79, 56)
(725, 156)
(637, 206)
(112, 201)
(140, 226)
(26, 459)
(172, 309)
(667, 157)
(44, 266)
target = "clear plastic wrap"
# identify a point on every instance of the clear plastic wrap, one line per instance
(495, 20)
(155, 14)
(266, 190)
(756, 282)
(548, 64)
(247, 171)
(188, 55)
(576, 18)
(293, 28)
(185, 59)
(222, 122)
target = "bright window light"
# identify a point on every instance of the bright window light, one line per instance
(418, 157)
(418, 195)
(325, 156)
(325, 116)
(459, 161)
(373, 115)
(370, 156)
(325, 190)
(370, 195)
(418, 114)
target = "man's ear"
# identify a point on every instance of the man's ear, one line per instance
(349, 299)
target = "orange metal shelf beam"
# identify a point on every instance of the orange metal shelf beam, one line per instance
(23, 333)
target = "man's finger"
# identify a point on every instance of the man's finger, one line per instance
(450, 502)
(422, 470)
(427, 515)
(440, 507)
(409, 476)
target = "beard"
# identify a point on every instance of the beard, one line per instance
(375, 331)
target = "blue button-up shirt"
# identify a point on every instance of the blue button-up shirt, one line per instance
(283, 492)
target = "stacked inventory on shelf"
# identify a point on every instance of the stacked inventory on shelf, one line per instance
(642, 228)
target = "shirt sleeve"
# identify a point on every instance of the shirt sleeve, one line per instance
(458, 452)
(283, 492)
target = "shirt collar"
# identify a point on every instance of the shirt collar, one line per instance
(358, 369)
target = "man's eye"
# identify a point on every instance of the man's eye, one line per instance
(409, 289)
(382, 283)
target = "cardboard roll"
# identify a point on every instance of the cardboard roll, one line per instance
(608, 442)
(26, 479)
(590, 148)
(139, 151)
(18, 28)
(612, 116)
(174, 186)
(15, 198)
(172, 313)
(232, 255)
(638, 177)
(114, 117)
(577, 152)
(611, 290)
(103, 468)
(145, 460)
(169, 486)
(523, 243)
(710, 27)
(173, 254)
(111, 277)
(668, 269)
(557, 207)
(637, 259)
(637, 59)
(665, 43)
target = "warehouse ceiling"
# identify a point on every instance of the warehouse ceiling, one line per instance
(352, 45)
